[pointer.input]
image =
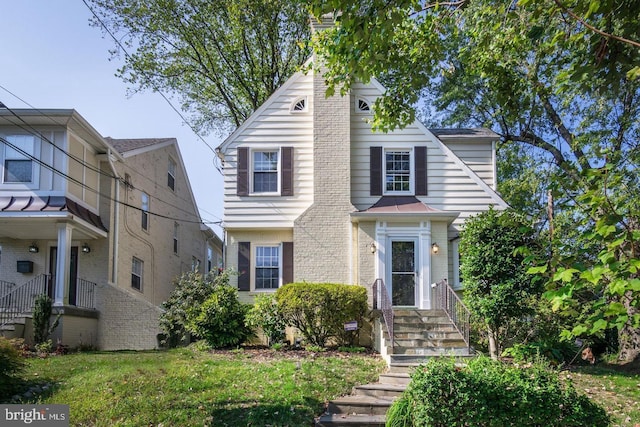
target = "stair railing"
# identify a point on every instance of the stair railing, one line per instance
(382, 302)
(6, 287)
(85, 294)
(445, 298)
(22, 298)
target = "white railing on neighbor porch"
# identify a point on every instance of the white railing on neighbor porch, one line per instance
(382, 302)
(20, 299)
(445, 298)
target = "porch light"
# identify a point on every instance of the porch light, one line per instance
(85, 248)
(372, 247)
(33, 248)
(435, 248)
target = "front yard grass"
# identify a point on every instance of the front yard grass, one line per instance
(185, 387)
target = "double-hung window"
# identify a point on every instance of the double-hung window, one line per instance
(171, 175)
(137, 268)
(175, 237)
(267, 267)
(18, 166)
(398, 170)
(265, 171)
(145, 211)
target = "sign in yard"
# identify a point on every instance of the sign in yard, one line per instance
(351, 326)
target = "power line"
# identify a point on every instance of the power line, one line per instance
(85, 186)
(33, 131)
(155, 87)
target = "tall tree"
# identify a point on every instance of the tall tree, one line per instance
(221, 58)
(559, 77)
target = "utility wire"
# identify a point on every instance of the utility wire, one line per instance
(97, 192)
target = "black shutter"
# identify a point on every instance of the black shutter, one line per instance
(421, 171)
(242, 186)
(286, 184)
(375, 163)
(287, 262)
(244, 266)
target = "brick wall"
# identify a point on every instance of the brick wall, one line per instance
(321, 234)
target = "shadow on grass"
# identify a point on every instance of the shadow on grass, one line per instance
(30, 391)
(262, 414)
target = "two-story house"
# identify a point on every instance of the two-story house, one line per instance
(102, 225)
(311, 193)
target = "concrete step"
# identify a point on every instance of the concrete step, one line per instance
(362, 405)
(355, 420)
(450, 350)
(383, 391)
(427, 334)
(404, 363)
(420, 319)
(395, 378)
(418, 312)
(417, 328)
(443, 343)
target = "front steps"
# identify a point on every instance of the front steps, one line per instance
(419, 336)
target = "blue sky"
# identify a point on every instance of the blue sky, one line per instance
(52, 58)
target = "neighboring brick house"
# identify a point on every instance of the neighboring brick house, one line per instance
(103, 225)
(312, 194)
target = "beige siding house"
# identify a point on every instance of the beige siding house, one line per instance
(313, 194)
(102, 225)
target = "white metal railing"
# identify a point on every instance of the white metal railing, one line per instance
(445, 298)
(382, 302)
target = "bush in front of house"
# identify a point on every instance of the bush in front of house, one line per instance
(11, 365)
(265, 314)
(220, 320)
(42, 326)
(320, 310)
(490, 393)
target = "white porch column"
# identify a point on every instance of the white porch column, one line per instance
(424, 271)
(62, 264)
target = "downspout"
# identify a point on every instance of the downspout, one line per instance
(116, 219)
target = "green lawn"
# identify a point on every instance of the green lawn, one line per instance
(184, 387)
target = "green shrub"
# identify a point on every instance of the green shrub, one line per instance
(221, 318)
(320, 310)
(42, 327)
(190, 292)
(489, 393)
(264, 314)
(11, 365)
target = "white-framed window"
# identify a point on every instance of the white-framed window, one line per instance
(137, 269)
(144, 200)
(171, 174)
(175, 237)
(265, 171)
(362, 106)
(17, 165)
(398, 171)
(299, 105)
(195, 264)
(267, 267)
(455, 255)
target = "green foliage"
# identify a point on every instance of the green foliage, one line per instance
(497, 287)
(352, 349)
(320, 310)
(221, 319)
(489, 393)
(222, 58)
(42, 326)
(190, 292)
(264, 314)
(11, 366)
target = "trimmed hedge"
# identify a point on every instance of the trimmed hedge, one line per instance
(320, 310)
(490, 393)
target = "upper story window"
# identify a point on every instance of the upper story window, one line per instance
(18, 166)
(175, 237)
(362, 105)
(137, 268)
(171, 175)
(299, 105)
(145, 210)
(398, 171)
(267, 267)
(265, 171)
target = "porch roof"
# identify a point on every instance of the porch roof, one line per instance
(25, 209)
(406, 207)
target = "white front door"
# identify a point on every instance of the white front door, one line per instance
(401, 277)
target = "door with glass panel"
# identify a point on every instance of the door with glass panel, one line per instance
(401, 276)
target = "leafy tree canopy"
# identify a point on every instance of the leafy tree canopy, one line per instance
(221, 58)
(558, 79)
